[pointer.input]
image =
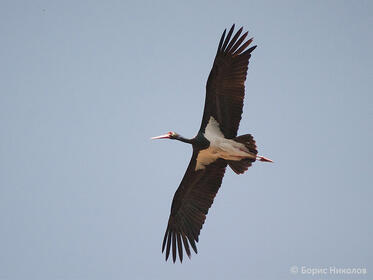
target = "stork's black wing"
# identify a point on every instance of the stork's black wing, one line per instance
(225, 89)
(190, 205)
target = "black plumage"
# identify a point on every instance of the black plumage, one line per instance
(225, 92)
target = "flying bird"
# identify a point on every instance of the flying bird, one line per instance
(215, 146)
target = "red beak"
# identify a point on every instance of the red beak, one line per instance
(164, 136)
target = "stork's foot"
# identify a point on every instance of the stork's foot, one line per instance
(264, 159)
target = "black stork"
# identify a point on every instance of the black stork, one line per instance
(214, 147)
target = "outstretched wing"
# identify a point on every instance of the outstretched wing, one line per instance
(225, 89)
(190, 206)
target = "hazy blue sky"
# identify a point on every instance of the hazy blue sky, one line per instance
(84, 193)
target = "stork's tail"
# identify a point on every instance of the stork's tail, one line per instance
(242, 165)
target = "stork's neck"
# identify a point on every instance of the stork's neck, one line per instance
(185, 140)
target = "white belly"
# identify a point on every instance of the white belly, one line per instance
(220, 147)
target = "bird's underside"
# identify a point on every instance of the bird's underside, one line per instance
(215, 146)
(231, 150)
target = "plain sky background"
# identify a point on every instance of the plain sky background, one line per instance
(84, 193)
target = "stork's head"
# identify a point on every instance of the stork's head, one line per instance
(168, 135)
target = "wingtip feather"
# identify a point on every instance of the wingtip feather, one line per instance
(221, 40)
(179, 247)
(234, 40)
(173, 247)
(168, 245)
(227, 38)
